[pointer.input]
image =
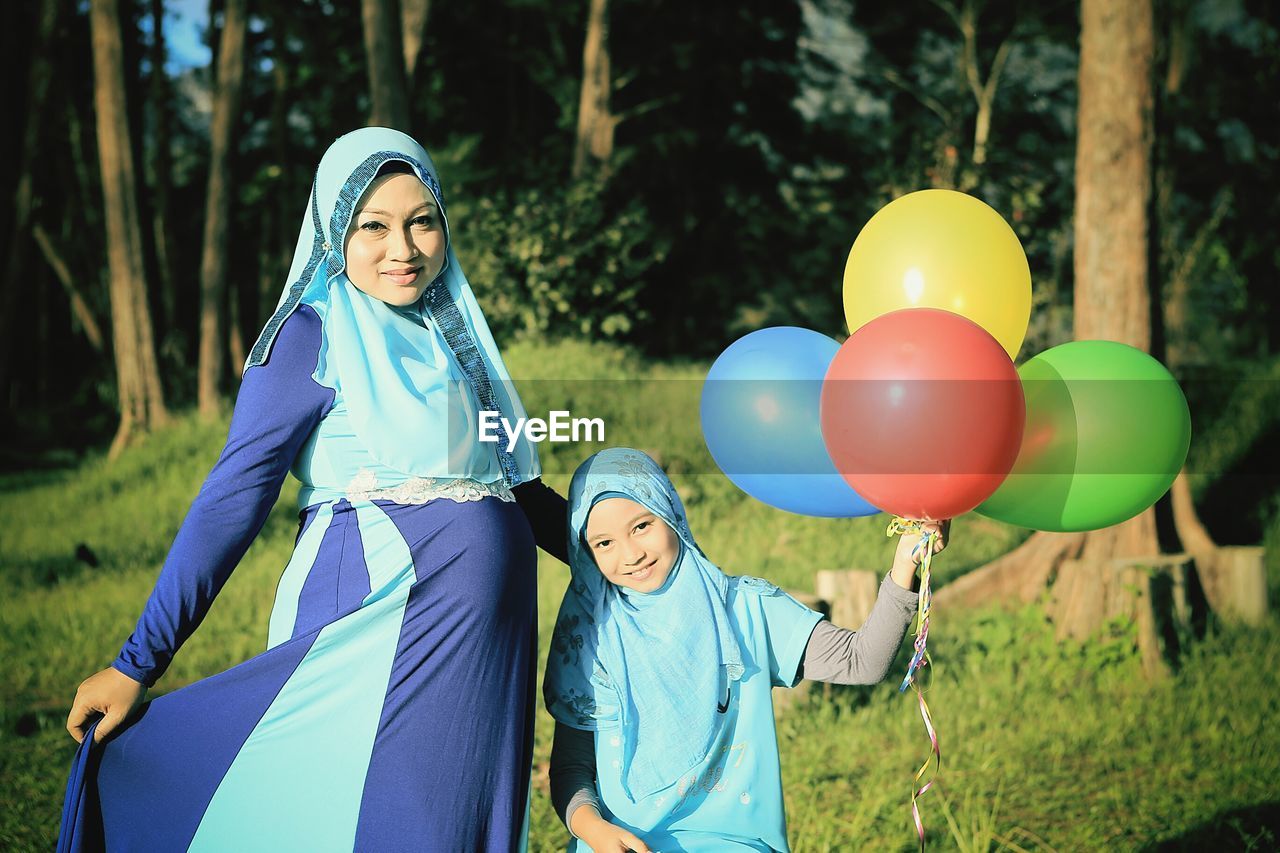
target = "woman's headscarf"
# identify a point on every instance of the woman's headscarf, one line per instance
(404, 390)
(656, 665)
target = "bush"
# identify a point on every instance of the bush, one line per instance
(556, 261)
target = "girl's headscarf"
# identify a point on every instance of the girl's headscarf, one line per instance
(656, 665)
(408, 395)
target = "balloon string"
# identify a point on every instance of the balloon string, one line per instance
(920, 658)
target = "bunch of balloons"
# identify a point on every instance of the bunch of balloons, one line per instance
(921, 412)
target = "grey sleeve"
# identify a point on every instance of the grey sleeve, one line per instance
(573, 771)
(864, 656)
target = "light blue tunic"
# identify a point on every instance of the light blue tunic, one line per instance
(739, 785)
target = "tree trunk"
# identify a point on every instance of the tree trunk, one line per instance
(213, 260)
(235, 329)
(1113, 190)
(594, 148)
(279, 226)
(162, 169)
(1113, 187)
(1154, 600)
(79, 308)
(983, 90)
(384, 50)
(849, 594)
(37, 90)
(137, 377)
(1017, 577)
(1113, 173)
(413, 25)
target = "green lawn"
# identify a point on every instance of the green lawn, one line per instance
(1046, 746)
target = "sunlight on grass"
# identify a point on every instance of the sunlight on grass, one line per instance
(1046, 745)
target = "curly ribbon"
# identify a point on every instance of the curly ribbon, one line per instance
(920, 658)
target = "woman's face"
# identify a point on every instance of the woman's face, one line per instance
(632, 546)
(396, 243)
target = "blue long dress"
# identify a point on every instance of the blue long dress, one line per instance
(393, 708)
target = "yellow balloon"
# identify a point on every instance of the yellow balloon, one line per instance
(940, 249)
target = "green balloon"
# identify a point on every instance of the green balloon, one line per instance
(1107, 431)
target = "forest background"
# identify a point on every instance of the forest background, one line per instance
(633, 186)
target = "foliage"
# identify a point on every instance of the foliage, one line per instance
(753, 141)
(556, 260)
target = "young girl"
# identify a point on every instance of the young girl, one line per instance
(671, 663)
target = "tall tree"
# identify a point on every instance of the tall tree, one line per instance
(1111, 297)
(413, 26)
(389, 102)
(213, 259)
(594, 148)
(161, 167)
(137, 376)
(1113, 194)
(277, 231)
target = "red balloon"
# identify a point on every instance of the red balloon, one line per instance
(922, 413)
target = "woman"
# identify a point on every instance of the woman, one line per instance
(393, 708)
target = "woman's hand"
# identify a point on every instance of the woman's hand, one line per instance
(109, 694)
(905, 563)
(602, 836)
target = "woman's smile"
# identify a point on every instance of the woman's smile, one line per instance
(404, 275)
(398, 222)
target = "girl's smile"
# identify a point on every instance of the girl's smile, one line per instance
(632, 547)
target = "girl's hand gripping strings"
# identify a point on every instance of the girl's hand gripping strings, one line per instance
(913, 551)
(602, 836)
(909, 554)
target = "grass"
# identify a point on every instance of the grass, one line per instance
(1046, 746)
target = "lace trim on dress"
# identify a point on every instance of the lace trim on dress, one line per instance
(419, 490)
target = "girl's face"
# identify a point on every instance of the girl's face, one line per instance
(632, 546)
(396, 244)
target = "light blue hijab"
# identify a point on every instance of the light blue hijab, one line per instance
(655, 664)
(413, 378)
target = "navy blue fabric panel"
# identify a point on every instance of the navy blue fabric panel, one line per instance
(339, 579)
(548, 515)
(81, 829)
(450, 765)
(156, 777)
(278, 407)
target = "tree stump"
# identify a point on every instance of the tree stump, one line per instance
(850, 594)
(1235, 582)
(1159, 597)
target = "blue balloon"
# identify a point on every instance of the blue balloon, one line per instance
(760, 420)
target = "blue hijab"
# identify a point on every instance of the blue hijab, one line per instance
(655, 664)
(413, 378)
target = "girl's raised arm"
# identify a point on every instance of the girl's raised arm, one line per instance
(842, 656)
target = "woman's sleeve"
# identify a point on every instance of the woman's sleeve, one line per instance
(278, 406)
(573, 772)
(864, 656)
(548, 514)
